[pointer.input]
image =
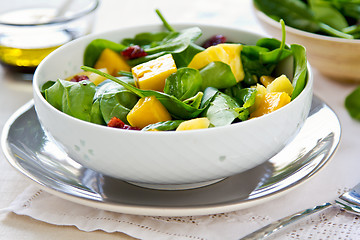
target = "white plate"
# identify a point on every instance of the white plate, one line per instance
(32, 152)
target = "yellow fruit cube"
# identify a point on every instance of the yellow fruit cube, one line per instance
(112, 61)
(147, 110)
(281, 84)
(259, 98)
(96, 78)
(266, 80)
(152, 75)
(271, 102)
(226, 53)
(197, 123)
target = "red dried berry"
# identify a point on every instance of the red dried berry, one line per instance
(79, 78)
(214, 40)
(133, 52)
(117, 123)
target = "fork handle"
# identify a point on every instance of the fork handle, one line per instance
(265, 232)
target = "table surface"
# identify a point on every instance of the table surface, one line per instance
(114, 14)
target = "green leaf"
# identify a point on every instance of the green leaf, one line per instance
(194, 101)
(184, 83)
(72, 98)
(300, 69)
(115, 101)
(352, 104)
(223, 110)
(276, 53)
(145, 39)
(95, 48)
(182, 59)
(325, 12)
(218, 75)
(295, 13)
(174, 42)
(46, 86)
(163, 126)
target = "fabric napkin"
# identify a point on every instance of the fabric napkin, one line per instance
(331, 223)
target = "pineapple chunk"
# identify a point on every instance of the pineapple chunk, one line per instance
(147, 110)
(112, 61)
(226, 53)
(271, 102)
(152, 75)
(197, 123)
(281, 84)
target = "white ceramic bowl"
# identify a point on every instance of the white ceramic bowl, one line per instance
(159, 159)
(336, 58)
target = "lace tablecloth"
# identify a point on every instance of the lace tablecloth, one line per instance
(337, 177)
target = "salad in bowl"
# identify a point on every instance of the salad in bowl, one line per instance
(242, 95)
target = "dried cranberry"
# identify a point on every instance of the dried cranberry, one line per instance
(214, 40)
(134, 51)
(117, 123)
(79, 78)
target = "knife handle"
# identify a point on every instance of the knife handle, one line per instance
(271, 228)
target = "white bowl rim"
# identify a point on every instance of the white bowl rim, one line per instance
(299, 32)
(36, 88)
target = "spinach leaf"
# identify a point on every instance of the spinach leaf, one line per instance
(46, 86)
(277, 50)
(72, 98)
(252, 64)
(294, 12)
(184, 83)
(115, 101)
(174, 42)
(222, 111)
(245, 97)
(95, 114)
(95, 47)
(163, 126)
(218, 75)
(325, 12)
(146, 39)
(352, 104)
(300, 69)
(176, 108)
(182, 59)
(194, 101)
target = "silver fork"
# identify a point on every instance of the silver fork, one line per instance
(349, 201)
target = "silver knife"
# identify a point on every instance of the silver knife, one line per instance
(349, 201)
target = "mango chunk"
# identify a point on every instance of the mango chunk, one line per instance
(266, 80)
(147, 110)
(112, 61)
(281, 84)
(97, 79)
(271, 102)
(259, 98)
(152, 75)
(197, 123)
(226, 53)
